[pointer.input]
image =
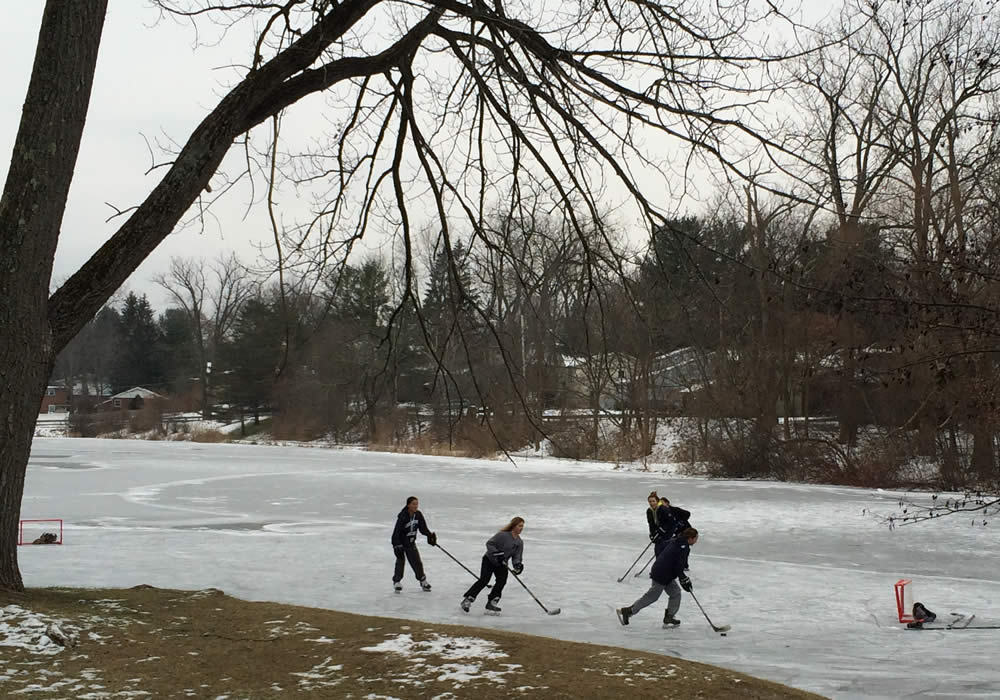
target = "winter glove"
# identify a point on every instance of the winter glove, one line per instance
(686, 583)
(398, 549)
(652, 537)
(432, 539)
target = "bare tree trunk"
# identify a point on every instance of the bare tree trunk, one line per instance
(847, 415)
(983, 456)
(31, 212)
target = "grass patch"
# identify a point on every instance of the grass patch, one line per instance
(149, 642)
(208, 435)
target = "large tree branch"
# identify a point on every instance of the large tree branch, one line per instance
(259, 96)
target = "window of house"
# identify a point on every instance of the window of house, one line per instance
(117, 403)
(51, 391)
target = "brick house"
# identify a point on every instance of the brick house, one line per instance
(55, 400)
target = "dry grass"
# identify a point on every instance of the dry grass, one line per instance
(181, 644)
(208, 435)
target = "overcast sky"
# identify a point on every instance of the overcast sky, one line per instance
(150, 84)
(153, 86)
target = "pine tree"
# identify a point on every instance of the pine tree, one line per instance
(139, 357)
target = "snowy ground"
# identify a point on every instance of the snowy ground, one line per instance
(804, 578)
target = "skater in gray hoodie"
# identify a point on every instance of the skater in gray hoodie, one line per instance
(504, 546)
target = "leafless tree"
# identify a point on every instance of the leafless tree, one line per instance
(436, 104)
(211, 300)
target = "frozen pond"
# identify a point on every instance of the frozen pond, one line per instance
(804, 578)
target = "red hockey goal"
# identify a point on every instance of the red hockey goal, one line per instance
(44, 531)
(904, 600)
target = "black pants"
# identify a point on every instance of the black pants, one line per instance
(489, 568)
(411, 553)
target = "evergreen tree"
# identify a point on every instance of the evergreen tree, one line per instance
(450, 300)
(139, 358)
(250, 359)
(178, 333)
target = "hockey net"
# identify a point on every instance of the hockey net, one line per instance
(44, 531)
(904, 600)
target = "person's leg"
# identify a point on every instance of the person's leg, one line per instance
(501, 573)
(415, 563)
(397, 574)
(485, 572)
(648, 598)
(673, 590)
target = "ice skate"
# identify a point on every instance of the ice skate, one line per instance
(624, 614)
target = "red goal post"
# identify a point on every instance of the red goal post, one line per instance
(904, 600)
(29, 531)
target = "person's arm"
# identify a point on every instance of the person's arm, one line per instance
(685, 551)
(493, 549)
(516, 557)
(683, 578)
(652, 523)
(682, 514)
(422, 525)
(397, 533)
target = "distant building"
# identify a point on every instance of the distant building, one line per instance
(130, 400)
(55, 400)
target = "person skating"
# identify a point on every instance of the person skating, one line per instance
(404, 543)
(664, 520)
(652, 515)
(504, 546)
(667, 572)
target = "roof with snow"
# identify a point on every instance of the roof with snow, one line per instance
(141, 392)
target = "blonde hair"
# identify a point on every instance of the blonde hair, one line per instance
(512, 524)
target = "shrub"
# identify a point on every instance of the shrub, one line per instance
(208, 435)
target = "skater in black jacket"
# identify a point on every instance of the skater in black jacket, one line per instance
(404, 543)
(664, 521)
(653, 515)
(667, 572)
(504, 546)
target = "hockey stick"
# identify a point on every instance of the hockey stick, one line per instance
(553, 611)
(722, 629)
(474, 575)
(639, 572)
(641, 554)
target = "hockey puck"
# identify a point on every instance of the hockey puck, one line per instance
(722, 633)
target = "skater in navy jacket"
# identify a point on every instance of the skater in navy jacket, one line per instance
(404, 543)
(667, 571)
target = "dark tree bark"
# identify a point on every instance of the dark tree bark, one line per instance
(31, 212)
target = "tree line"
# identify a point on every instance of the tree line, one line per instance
(845, 266)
